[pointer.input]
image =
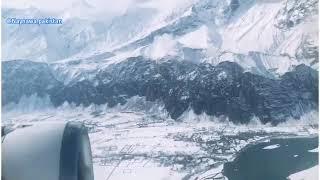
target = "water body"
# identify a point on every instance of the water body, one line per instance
(274, 160)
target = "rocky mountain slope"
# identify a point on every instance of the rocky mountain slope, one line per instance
(221, 90)
(234, 58)
(265, 37)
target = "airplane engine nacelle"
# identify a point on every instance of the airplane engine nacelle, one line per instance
(47, 151)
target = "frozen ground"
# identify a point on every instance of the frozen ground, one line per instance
(131, 143)
(308, 174)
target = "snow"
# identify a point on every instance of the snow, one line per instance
(274, 146)
(222, 75)
(254, 30)
(197, 39)
(161, 47)
(138, 140)
(93, 30)
(123, 172)
(151, 28)
(308, 174)
(30, 104)
(314, 150)
(212, 173)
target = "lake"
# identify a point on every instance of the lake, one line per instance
(273, 160)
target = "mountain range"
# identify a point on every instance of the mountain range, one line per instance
(233, 58)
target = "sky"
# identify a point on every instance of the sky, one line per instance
(59, 5)
(106, 5)
(95, 8)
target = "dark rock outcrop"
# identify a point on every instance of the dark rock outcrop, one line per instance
(222, 90)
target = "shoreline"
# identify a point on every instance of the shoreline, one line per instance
(273, 152)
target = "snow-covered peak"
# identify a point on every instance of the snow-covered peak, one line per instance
(79, 8)
(263, 36)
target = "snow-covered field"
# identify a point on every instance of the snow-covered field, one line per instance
(135, 142)
(139, 140)
(308, 174)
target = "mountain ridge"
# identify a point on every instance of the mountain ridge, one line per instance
(222, 90)
(284, 29)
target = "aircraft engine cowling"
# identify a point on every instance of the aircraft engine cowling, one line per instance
(47, 151)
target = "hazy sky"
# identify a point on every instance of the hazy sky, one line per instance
(109, 8)
(58, 5)
(106, 5)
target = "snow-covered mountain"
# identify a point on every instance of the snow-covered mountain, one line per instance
(168, 89)
(234, 58)
(221, 90)
(84, 30)
(267, 37)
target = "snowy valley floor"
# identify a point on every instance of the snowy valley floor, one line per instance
(137, 145)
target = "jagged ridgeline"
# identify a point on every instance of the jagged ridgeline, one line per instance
(221, 90)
